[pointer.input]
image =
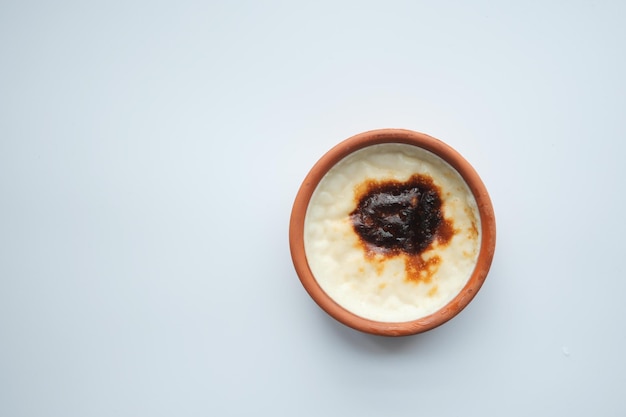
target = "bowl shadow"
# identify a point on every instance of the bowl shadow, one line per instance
(370, 344)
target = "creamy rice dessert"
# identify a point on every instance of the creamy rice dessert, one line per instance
(391, 233)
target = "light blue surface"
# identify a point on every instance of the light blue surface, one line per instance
(150, 154)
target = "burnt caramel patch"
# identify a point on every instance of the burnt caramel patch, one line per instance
(473, 230)
(433, 290)
(419, 269)
(399, 216)
(402, 218)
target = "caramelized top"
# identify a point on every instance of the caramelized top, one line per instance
(400, 217)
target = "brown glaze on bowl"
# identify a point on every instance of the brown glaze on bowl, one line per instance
(485, 210)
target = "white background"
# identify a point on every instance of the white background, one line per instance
(150, 153)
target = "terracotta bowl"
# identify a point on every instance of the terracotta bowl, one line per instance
(486, 249)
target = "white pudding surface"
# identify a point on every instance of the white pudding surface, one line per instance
(376, 286)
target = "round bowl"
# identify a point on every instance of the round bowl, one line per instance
(487, 228)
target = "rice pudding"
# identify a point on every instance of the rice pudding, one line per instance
(391, 232)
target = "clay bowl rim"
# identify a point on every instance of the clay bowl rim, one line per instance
(485, 209)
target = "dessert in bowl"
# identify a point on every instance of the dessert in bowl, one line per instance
(392, 232)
